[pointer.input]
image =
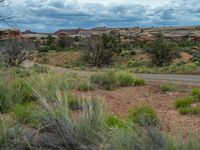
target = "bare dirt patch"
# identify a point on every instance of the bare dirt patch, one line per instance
(122, 100)
(58, 58)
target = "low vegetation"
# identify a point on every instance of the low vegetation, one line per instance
(111, 79)
(48, 107)
(143, 115)
(189, 104)
(168, 87)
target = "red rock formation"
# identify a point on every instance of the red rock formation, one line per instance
(10, 34)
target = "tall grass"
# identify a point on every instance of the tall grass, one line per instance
(82, 131)
(12, 92)
(110, 80)
(69, 122)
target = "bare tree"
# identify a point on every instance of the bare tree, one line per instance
(14, 52)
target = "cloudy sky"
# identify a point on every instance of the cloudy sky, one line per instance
(50, 15)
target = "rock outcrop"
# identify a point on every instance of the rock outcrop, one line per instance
(10, 34)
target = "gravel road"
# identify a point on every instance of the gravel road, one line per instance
(187, 79)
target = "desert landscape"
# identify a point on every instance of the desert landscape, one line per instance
(114, 86)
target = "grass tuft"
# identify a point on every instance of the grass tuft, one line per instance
(196, 92)
(141, 114)
(184, 102)
(168, 87)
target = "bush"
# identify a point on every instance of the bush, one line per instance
(143, 114)
(161, 51)
(139, 82)
(27, 114)
(105, 80)
(113, 121)
(98, 50)
(125, 78)
(168, 87)
(85, 132)
(184, 102)
(196, 92)
(110, 80)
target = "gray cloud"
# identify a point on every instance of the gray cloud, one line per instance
(49, 15)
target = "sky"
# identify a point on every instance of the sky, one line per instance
(51, 15)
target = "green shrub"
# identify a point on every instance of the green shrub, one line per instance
(195, 110)
(98, 50)
(23, 91)
(184, 102)
(40, 69)
(125, 78)
(168, 87)
(189, 110)
(27, 114)
(113, 121)
(110, 80)
(105, 80)
(184, 110)
(161, 51)
(84, 132)
(13, 92)
(196, 92)
(143, 114)
(85, 86)
(139, 82)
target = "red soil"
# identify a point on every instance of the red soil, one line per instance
(122, 100)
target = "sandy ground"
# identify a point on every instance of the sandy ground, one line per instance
(121, 100)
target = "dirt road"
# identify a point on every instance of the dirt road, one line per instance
(187, 79)
(171, 77)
